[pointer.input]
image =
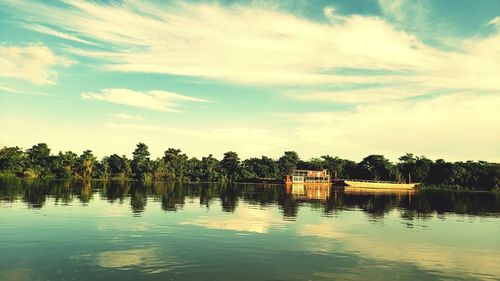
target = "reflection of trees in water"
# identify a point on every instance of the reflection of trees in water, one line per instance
(476, 203)
(86, 191)
(138, 197)
(207, 194)
(35, 196)
(228, 194)
(288, 205)
(173, 195)
(115, 190)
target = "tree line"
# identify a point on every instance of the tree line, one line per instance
(38, 162)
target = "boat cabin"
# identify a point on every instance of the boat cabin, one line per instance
(308, 176)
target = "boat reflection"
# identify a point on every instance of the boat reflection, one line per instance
(306, 191)
(375, 191)
(321, 192)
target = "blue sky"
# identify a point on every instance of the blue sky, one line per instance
(346, 78)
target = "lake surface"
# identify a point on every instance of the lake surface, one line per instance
(56, 230)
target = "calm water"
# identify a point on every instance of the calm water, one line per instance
(53, 230)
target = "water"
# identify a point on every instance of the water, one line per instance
(54, 230)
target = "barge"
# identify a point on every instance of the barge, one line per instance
(372, 184)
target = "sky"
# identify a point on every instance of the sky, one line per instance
(341, 78)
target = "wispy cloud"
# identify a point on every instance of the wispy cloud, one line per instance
(124, 116)
(30, 62)
(8, 89)
(495, 22)
(156, 100)
(360, 96)
(252, 44)
(53, 32)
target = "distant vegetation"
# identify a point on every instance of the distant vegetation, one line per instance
(38, 162)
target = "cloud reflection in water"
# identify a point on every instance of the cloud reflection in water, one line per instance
(148, 260)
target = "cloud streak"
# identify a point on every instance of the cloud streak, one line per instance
(360, 96)
(53, 32)
(155, 100)
(124, 116)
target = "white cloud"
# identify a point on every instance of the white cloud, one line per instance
(124, 116)
(456, 127)
(255, 44)
(348, 235)
(331, 13)
(495, 21)
(243, 219)
(31, 62)
(393, 8)
(125, 258)
(359, 96)
(8, 89)
(53, 32)
(148, 260)
(156, 100)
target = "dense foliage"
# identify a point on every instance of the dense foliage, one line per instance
(38, 162)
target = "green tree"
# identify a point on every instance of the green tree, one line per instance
(414, 168)
(481, 175)
(268, 168)
(39, 154)
(230, 166)
(101, 169)
(158, 169)
(119, 166)
(210, 169)
(263, 167)
(287, 163)
(313, 164)
(194, 169)
(141, 166)
(249, 168)
(335, 166)
(13, 160)
(39, 160)
(175, 163)
(377, 167)
(115, 165)
(85, 164)
(64, 164)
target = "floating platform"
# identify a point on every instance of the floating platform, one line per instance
(374, 184)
